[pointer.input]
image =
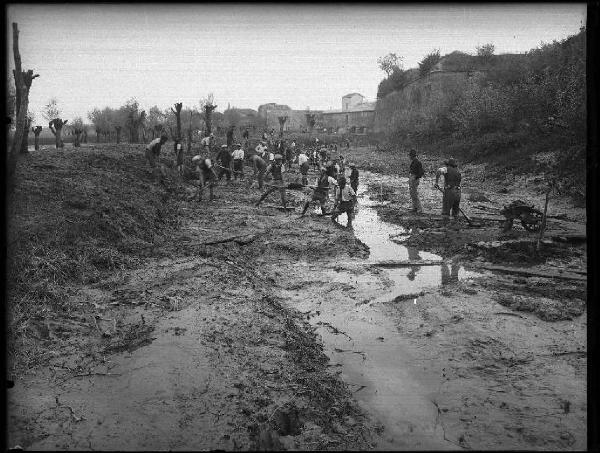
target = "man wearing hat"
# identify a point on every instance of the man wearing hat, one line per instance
(261, 150)
(224, 163)
(238, 162)
(415, 173)
(276, 169)
(206, 143)
(206, 174)
(452, 179)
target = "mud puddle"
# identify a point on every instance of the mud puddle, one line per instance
(364, 342)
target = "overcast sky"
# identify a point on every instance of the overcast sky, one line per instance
(301, 55)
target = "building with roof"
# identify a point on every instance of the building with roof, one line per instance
(355, 117)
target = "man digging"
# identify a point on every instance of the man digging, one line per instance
(153, 151)
(206, 174)
(321, 192)
(276, 169)
(452, 179)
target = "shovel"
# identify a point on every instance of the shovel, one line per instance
(469, 221)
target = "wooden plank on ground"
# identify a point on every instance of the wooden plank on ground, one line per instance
(404, 263)
(531, 273)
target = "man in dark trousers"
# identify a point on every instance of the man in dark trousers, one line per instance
(345, 201)
(276, 169)
(224, 163)
(321, 193)
(260, 168)
(353, 177)
(415, 174)
(452, 180)
(206, 175)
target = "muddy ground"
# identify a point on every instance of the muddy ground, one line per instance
(288, 335)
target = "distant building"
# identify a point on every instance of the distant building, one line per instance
(355, 117)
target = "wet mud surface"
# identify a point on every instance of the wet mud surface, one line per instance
(288, 335)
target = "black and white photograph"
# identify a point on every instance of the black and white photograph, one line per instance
(297, 226)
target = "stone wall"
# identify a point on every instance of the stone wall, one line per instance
(421, 105)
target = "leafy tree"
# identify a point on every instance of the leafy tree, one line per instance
(396, 81)
(428, 62)
(390, 63)
(486, 52)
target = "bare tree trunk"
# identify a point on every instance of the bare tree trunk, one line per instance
(85, 135)
(25, 143)
(208, 109)
(36, 132)
(282, 120)
(118, 131)
(56, 126)
(23, 82)
(177, 112)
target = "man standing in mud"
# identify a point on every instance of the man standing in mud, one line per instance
(416, 172)
(276, 169)
(304, 166)
(238, 162)
(224, 163)
(452, 180)
(353, 177)
(345, 201)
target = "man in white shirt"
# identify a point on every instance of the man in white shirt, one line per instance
(238, 162)
(304, 166)
(206, 143)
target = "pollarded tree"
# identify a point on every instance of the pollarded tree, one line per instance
(207, 105)
(52, 114)
(177, 113)
(311, 119)
(282, 121)
(77, 128)
(37, 130)
(23, 80)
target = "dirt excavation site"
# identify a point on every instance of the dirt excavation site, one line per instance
(143, 319)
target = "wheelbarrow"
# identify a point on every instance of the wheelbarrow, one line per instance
(530, 217)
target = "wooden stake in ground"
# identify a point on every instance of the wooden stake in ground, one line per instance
(36, 133)
(543, 225)
(23, 82)
(56, 126)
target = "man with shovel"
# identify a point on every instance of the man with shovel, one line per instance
(276, 169)
(452, 179)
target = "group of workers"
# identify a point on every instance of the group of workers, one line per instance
(271, 160)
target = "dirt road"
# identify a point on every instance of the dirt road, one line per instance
(290, 336)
